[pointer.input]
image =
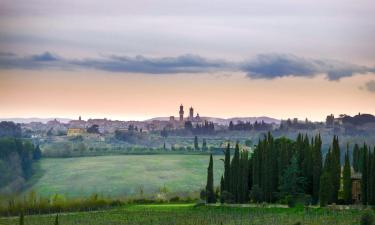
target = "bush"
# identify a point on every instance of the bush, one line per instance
(367, 218)
(175, 199)
(226, 197)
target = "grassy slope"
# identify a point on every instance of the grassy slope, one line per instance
(122, 175)
(188, 214)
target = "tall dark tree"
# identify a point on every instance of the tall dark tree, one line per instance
(235, 173)
(347, 182)
(364, 171)
(196, 145)
(326, 188)
(204, 145)
(243, 179)
(371, 178)
(291, 182)
(227, 173)
(317, 167)
(356, 158)
(210, 193)
(335, 168)
(37, 153)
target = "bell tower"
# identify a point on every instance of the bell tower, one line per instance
(181, 113)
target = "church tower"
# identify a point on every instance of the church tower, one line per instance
(191, 114)
(181, 113)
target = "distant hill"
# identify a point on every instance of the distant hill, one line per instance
(28, 120)
(223, 121)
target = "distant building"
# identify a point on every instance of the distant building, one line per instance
(356, 187)
(191, 114)
(76, 131)
(181, 112)
(330, 120)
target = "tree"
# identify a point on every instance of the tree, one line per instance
(37, 154)
(317, 167)
(227, 172)
(371, 178)
(94, 129)
(356, 158)
(196, 146)
(204, 145)
(56, 219)
(347, 186)
(22, 219)
(364, 171)
(335, 168)
(235, 172)
(292, 183)
(210, 193)
(326, 187)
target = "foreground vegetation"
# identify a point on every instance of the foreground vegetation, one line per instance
(203, 215)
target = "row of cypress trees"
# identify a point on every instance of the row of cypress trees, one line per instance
(282, 168)
(367, 170)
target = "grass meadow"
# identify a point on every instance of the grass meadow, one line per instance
(123, 175)
(188, 214)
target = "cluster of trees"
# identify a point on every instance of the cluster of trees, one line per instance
(16, 159)
(286, 170)
(205, 128)
(10, 129)
(94, 129)
(295, 124)
(240, 125)
(367, 169)
(196, 144)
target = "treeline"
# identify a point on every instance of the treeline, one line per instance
(240, 125)
(205, 128)
(286, 171)
(10, 129)
(16, 159)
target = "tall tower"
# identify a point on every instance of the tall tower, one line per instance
(181, 113)
(191, 113)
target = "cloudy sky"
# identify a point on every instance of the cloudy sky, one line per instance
(139, 59)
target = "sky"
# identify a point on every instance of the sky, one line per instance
(134, 60)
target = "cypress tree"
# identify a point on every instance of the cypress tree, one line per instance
(244, 175)
(204, 145)
(364, 170)
(326, 186)
(221, 185)
(227, 172)
(371, 181)
(235, 173)
(57, 219)
(317, 167)
(210, 193)
(347, 180)
(196, 146)
(356, 156)
(335, 168)
(22, 219)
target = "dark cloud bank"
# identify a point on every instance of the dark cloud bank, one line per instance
(265, 66)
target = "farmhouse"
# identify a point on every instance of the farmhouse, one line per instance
(356, 187)
(76, 131)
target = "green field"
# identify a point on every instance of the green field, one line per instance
(188, 214)
(124, 175)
